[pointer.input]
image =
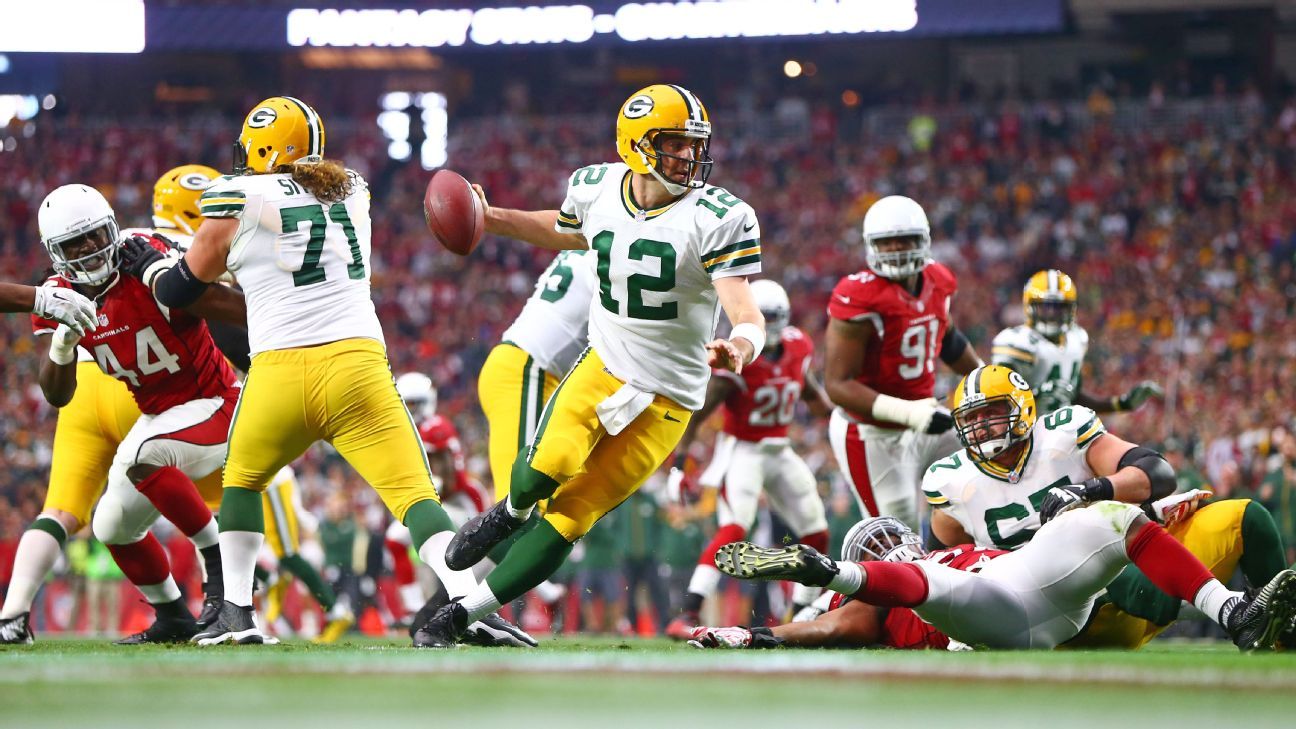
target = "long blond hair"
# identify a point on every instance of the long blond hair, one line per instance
(327, 179)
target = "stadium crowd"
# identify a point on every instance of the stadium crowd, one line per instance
(1177, 220)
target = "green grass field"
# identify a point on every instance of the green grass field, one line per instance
(617, 684)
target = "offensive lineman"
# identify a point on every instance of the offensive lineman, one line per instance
(889, 324)
(756, 453)
(671, 251)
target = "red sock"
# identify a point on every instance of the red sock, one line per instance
(893, 584)
(402, 567)
(727, 534)
(175, 496)
(144, 562)
(817, 541)
(1167, 563)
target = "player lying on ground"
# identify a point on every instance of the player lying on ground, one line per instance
(1036, 597)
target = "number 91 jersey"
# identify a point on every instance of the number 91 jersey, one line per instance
(303, 265)
(656, 307)
(900, 361)
(768, 390)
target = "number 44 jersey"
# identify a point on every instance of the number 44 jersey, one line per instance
(656, 308)
(900, 361)
(166, 357)
(303, 264)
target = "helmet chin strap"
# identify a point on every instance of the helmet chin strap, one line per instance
(673, 188)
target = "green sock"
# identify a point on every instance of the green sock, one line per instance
(538, 554)
(302, 570)
(52, 528)
(501, 550)
(1134, 593)
(241, 511)
(528, 486)
(261, 574)
(424, 519)
(1262, 547)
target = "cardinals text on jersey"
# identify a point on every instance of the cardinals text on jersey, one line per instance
(768, 390)
(1002, 514)
(1051, 368)
(901, 359)
(656, 307)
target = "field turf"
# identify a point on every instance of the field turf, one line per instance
(618, 684)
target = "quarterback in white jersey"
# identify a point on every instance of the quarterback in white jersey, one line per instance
(1050, 348)
(537, 349)
(294, 229)
(671, 250)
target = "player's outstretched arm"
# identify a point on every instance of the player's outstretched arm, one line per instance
(57, 375)
(853, 625)
(747, 338)
(815, 398)
(536, 227)
(1131, 400)
(16, 298)
(62, 305)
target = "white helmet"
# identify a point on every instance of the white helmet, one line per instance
(420, 396)
(881, 539)
(896, 216)
(74, 212)
(773, 303)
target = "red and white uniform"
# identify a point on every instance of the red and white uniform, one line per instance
(753, 452)
(181, 382)
(884, 461)
(464, 498)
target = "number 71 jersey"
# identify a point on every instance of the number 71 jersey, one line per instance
(900, 361)
(303, 265)
(656, 307)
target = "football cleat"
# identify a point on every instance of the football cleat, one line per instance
(235, 625)
(210, 609)
(163, 630)
(1256, 622)
(17, 630)
(444, 629)
(339, 622)
(430, 608)
(494, 631)
(479, 536)
(683, 626)
(798, 563)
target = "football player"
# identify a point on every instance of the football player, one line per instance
(182, 385)
(1015, 471)
(1049, 349)
(1037, 596)
(889, 324)
(670, 249)
(758, 408)
(294, 229)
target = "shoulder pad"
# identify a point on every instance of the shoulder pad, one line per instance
(1074, 422)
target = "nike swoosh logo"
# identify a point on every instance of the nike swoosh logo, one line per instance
(843, 299)
(747, 228)
(673, 420)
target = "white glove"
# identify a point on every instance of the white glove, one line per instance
(66, 307)
(63, 345)
(675, 486)
(924, 416)
(733, 637)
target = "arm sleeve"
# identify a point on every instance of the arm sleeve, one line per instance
(223, 199)
(582, 190)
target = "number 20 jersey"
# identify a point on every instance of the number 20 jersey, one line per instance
(304, 266)
(900, 361)
(768, 389)
(165, 357)
(656, 307)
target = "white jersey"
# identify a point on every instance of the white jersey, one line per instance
(554, 325)
(1002, 514)
(656, 307)
(1051, 368)
(304, 265)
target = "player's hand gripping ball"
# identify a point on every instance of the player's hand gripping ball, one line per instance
(453, 212)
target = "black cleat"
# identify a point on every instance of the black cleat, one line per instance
(211, 608)
(493, 631)
(430, 608)
(797, 563)
(445, 628)
(163, 630)
(234, 625)
(479, 536)
(17, 630)
(1256, 622)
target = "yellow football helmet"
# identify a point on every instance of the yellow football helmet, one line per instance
(993, 410)
(1050, 302)
(175, 197)
(279, 131)
(664, 109)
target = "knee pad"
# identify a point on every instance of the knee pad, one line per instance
(112, 525)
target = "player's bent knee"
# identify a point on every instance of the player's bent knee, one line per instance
(110, 525)
(70, 523)
(140, 472)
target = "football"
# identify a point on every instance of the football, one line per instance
(453, 212)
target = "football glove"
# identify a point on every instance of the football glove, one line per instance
(734, 637)
(1138, 395)
(66, 307)
(1061, 499)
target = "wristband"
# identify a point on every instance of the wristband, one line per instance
(753, 334)
(1098, 489)
(896, 410)
(61, 352)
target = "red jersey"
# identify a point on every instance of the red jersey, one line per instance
(166, 357)
(900, 361)
(768, 390)
(440, 436)
(966, 557)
